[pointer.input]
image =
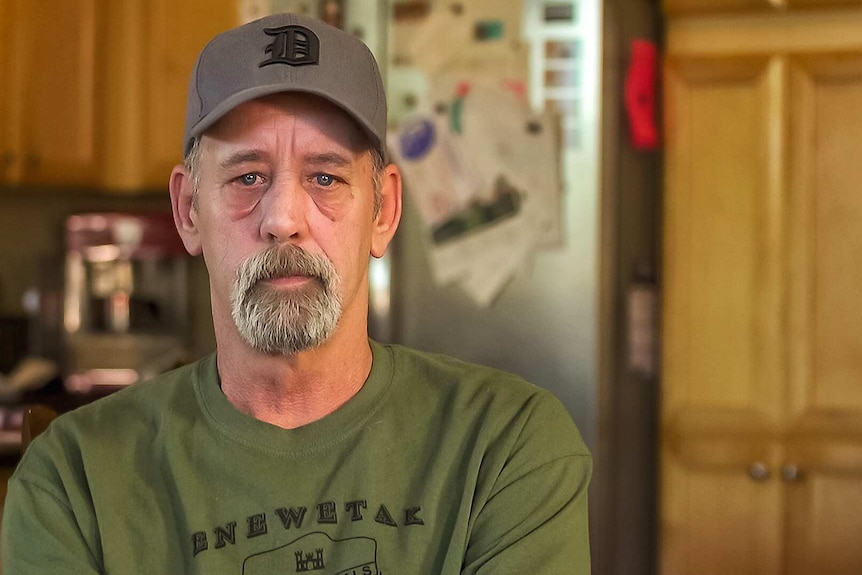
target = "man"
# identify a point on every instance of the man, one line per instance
(300, 446)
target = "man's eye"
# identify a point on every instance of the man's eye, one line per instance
(248, 179)
(324, 180)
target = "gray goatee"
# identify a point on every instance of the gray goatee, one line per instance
(284, 322)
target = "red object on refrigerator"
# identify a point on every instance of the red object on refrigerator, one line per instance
(640, 94)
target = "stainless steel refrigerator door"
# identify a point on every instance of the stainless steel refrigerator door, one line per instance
(543, 325)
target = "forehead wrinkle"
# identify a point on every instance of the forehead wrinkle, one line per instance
(241, 157)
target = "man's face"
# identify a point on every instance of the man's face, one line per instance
(285, 221)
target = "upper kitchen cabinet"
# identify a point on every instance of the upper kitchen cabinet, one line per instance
(178, 31)
(681, 6)
(5, 146)
(154, 47)
(674, 7)
(50, 69)
(95, 91)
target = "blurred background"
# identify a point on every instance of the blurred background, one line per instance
(649, 208)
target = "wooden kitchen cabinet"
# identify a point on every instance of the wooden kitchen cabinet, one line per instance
(178, 32)
(95, 92)
(761, 415)
(50, 67)
(155, 45)
(5, 69)
(695, 6)
(702, 7)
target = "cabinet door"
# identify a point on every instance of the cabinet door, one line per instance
(154, 44)
(763, 263)
(825, 274)
(6, 151)
(177, 33)
(822, 500)
(722, 339)
(54, 96)
(722, 517)
(715, 6)
(747, 6)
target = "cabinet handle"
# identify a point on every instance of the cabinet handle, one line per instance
(790, 473)
(758, 471)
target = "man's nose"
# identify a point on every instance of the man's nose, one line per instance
(284, 210)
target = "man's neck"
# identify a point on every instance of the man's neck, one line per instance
(292, 391)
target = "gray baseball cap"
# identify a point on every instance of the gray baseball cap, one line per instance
(286, 53)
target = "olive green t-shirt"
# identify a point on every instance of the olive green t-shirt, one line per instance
(435, 467)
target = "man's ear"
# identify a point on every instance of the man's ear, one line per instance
(182, 204)
(387, 220)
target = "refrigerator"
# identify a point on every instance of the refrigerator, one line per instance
(542, 324)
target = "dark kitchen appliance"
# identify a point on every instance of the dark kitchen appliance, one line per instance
(125, 303)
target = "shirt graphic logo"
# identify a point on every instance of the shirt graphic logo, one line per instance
(317, 553)
(310, 561)
(292, 45)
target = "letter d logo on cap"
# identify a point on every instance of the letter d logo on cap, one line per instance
(293, 45)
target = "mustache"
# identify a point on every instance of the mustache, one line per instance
(281, 261)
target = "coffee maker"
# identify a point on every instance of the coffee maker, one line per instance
(125, 302)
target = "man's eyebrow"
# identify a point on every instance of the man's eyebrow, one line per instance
(329, 159)
(239, 158)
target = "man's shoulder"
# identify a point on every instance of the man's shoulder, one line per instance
(471, 394)
(139, 407)
(449, 374)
